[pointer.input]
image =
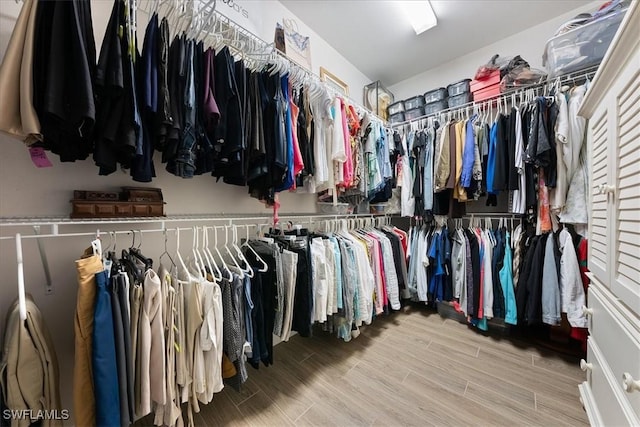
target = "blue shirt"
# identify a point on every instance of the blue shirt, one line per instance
(468, 154)
(427, 179)
(491, 161)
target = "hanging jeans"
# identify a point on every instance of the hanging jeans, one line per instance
(105, 369)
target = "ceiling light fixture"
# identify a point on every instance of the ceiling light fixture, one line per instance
(419, 13)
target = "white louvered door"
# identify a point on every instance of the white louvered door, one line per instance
(611, 390)
(625, 200)
(600, 225)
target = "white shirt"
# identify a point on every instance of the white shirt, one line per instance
(338, 153)
(407, 201)
(558, 194)
(520, 195)
(487, 288)
(572, 291)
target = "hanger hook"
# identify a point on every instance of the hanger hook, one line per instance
(133, 236)
(140, 243)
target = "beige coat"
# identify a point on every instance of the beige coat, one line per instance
(29, 369)
(17, 114)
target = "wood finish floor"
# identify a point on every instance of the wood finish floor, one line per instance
(413, 368)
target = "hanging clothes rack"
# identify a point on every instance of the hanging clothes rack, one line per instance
(246, 37)
(54, 224)
(505, 97)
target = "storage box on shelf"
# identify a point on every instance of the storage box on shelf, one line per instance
(338, 208)
(458, 87)
(583, 46)
(492, 79)
(395, 108)
(434, 107)
(435, 95)
(131, 202)
(460, 99)
(414, 102)
(396, 118)
(414, 113)
(486, 88)
(487, 92)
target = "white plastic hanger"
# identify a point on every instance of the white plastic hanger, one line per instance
(22, 302)
(224, 264)
(182, 264)
(226, 248)
(96, 244)
(265, 266)
(196, 256)
(211, 263)
(234, 243)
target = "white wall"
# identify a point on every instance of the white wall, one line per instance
(529, 44)
(26, 191)
(322, 54)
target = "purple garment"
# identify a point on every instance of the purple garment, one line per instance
(469, 273)
(211, 112)
(468, 154)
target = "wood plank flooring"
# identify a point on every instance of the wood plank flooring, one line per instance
(412, 368)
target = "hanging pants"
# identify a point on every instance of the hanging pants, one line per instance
(105, 368)
(84, 403)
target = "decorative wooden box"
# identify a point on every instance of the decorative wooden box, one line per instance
(131, 202)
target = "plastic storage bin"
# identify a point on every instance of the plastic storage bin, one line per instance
(395, 108)
(339, 208)
(459, 87)
(434, 107)
(458, 100)
(492, 79)
(415, 102)
(487, 92)
(435, 95)
(582, 47)
(414, 113)
(396, 118)
(378, 208)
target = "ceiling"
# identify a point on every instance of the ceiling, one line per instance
(376, 38)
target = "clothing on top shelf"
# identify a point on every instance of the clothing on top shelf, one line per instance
(208, 110)
(535, 152)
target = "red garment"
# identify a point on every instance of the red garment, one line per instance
(348, 164)
(580, 334)
(404, 237)
(354, 121)
(298, 164)
(385, 297)
(583, 247)
(544, 216)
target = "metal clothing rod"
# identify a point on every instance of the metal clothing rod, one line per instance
(229, 220)
(64, 221)
(506, 96)
(497, 214)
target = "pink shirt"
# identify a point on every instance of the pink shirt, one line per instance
(348, 164)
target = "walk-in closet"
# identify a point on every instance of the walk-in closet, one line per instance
(335, 213)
